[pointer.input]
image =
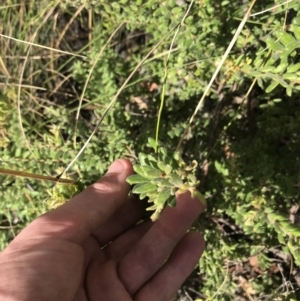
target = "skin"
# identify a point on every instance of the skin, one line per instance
(92, 248)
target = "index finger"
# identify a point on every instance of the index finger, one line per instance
(84, 213)
(139, 265)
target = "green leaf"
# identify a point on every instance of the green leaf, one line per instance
(276, 46)
(293, 68)
(142, 158)
(286, 39)
(175, 180)
(136, 179)
(192, 179)
(161, 165)
(171, 201)
(296, 30)
(220, 168)
(255, 73)
(143, 195)
(177, 10)
(267, 69)
(162, 182)
(168, 169)
(277, 78)
(152, 143)
(257, 63)
(115, 5)
(290, 76)
(272, 86)
(289, 91)
(293, 46)
(260, 82)
(163, 196)
(144, 188)
(281, 68)
(150, 172)
(138, 169)
(281, 238)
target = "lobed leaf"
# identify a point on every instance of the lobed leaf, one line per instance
(144, 188)
(163, 196)
(151, 172)
(175, 180)
(136, 179)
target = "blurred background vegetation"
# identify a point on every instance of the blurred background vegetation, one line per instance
(61, 63)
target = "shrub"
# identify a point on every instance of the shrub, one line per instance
(245, 137)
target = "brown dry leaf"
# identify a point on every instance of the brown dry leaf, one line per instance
(150, 86)
(247, 287)
(142, 105)
(253, 261)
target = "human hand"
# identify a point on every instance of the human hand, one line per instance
(91, 249)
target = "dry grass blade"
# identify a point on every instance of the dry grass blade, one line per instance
(3, 68)
(79, 10)
(90, 74)
(22, 74)
(115, 98)
(271, 8)
(43, 47)
(224, 57)
(166, 75)
(29, 175)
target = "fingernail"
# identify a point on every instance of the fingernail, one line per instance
(116, 167)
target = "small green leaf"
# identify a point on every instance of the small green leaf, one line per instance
(286, 39)
(272, 86)
(293, 46)
(289, 91)
(171, 201)
(163, 196)
(276, 46)
(161, 166)
(260, 82)
(138, 169)
(150, 172)
(177, 10)
(290, 76)
(275, 77)
(175, 180)
(168, 169)
(267, 69)
(293, 68)
(152, 143)
(257, 63)
(296, 30)
(142, 158)
(220, 168)
(255, 73)
(281, 68)
(143, 195)
(136, 179)
(162, 182)
(144, 188)
(192, 179)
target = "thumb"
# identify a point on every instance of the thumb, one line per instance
(75, 220)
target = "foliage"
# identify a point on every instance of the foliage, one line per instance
(159, 177)
(245, 137)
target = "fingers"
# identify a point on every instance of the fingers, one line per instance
(165, 283)
(124, 243)
(138, 266)
(83, 214)
(127, 216)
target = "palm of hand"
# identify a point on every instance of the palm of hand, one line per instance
(80, 252)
